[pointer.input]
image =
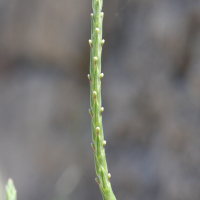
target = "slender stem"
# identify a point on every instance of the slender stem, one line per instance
(11, 193)
(96, 110)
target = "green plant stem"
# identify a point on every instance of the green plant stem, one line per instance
(11, 193)
(96, 110)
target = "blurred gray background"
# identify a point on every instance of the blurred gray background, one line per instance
(151, 96)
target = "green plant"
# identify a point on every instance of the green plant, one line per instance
(96, 110)
(11, 193)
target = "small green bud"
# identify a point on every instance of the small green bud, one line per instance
(95, 95)
(95, 61)
(109, 176)
(90, 43)
(102, 109)
(104, 143)
(98, 130)
(101, 75)
(89, 77)
(97, 30)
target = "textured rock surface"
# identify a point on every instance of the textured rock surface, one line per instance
(151, 95)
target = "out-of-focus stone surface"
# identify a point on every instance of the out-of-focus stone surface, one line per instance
(151, 95)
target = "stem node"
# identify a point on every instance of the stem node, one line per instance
(90, 43)
(89, 77)
(95, 95)
(97, 30)
(95, 61)
(102, 109)
(109, 176)
(104, 144)
(95, 58)
(101, 75)
(97, 130)
(102, 42)
(97, 180)
(90, 111)
(92, 145)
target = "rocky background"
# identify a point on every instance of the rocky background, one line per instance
(151, 95)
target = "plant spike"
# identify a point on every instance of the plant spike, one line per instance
(96, 110)
(11, 193)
